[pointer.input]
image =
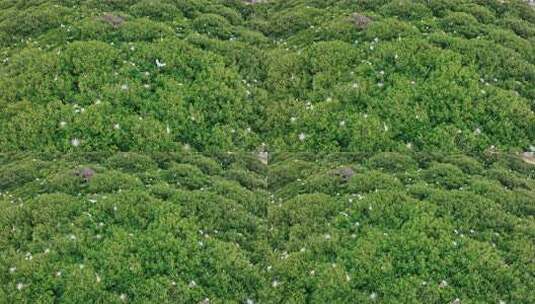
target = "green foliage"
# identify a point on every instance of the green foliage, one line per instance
(30, 22)
(410, 237)
(68, 239)
(392, 162)
(461, 23)
(143, 29)
(232, 76)
(403, 9)
(394, 130)
(131, 162)
(112, 181)
(481, 13)
(213, 25)
(288, 22)
(333, 227)
(157, 10)
(17, 173)
(186, 175)
(388, 29)
(372, 181)
(445, 175)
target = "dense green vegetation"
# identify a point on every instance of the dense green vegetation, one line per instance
(153, 75)
(173, 228)
(134, 137)
(402, 228)
(334, 228)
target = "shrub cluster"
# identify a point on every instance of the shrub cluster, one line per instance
(302, 75)
(394, 131)
(186, 227)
